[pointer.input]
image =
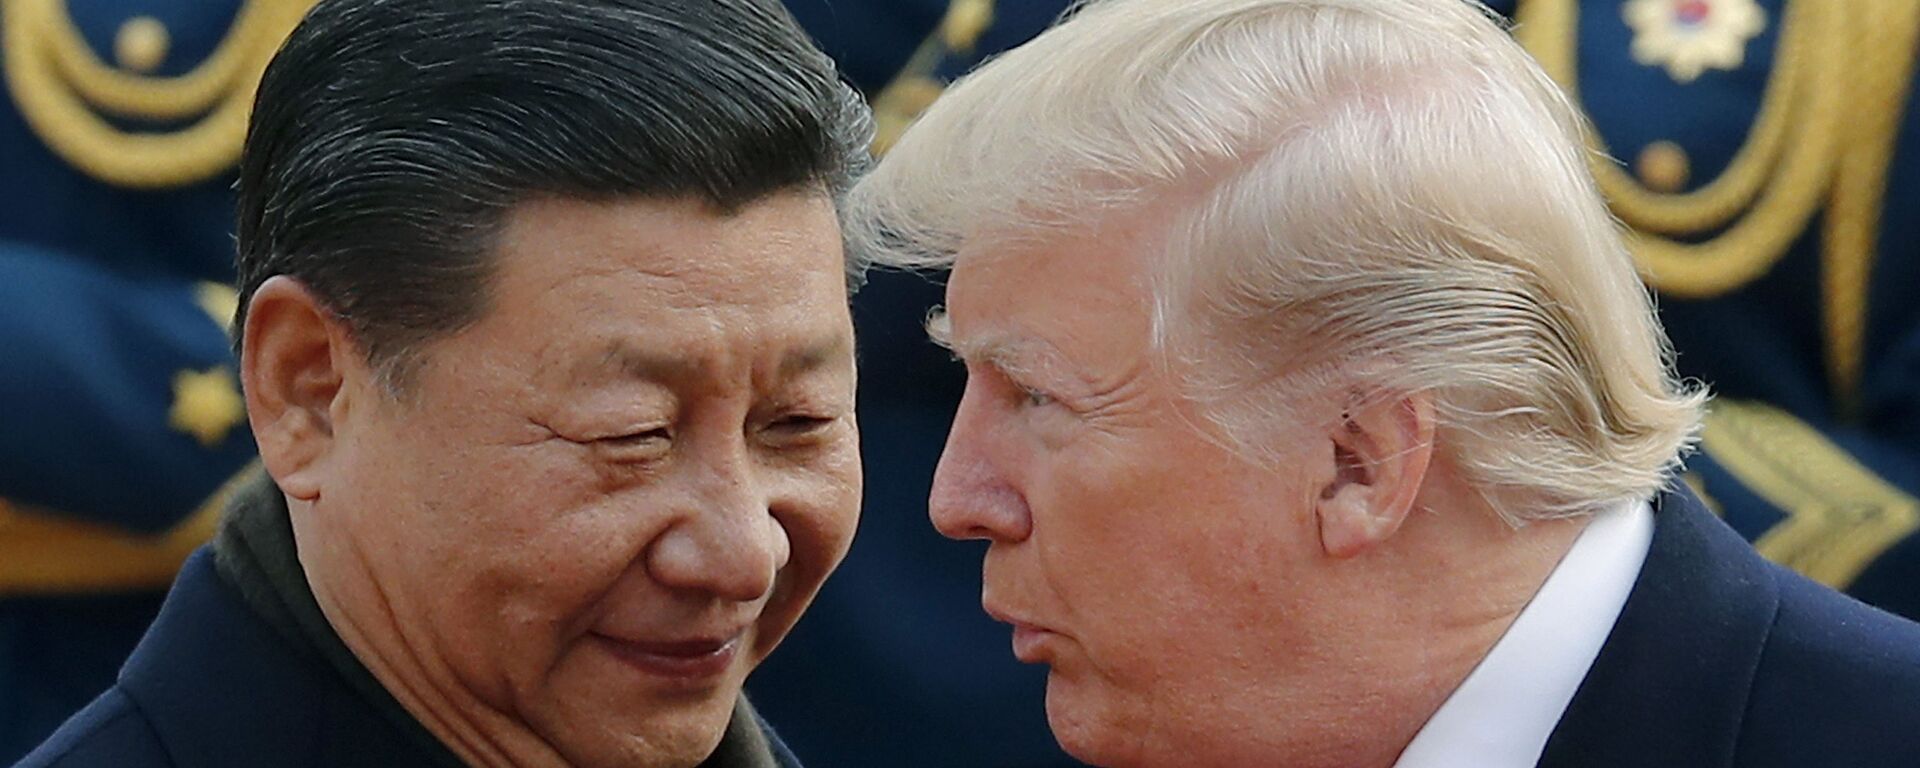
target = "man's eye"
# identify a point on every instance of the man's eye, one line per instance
(648, 440)
(798, 425)
(1033, 398)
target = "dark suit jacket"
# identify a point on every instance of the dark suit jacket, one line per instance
(1721, 658)
(214, 685)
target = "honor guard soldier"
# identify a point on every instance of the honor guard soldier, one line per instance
(1762, 154)
(1759, 165)
(123, 421)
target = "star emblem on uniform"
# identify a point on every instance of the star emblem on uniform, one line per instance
(1689, 37)
(206, 405)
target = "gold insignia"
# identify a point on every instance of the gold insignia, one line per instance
(1691, 36)
(220, 301)
(1840, 515)
(67, 93)
(206, 405)
(1822, 141)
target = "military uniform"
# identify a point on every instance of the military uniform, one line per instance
(1766, 164)
(122, 417)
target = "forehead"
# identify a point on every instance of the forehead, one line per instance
(601, 279)
(545, 243)
(1081, 299)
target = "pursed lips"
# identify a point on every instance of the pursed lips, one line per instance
(1030, 640)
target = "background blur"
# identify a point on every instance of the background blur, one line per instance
(1765, 158)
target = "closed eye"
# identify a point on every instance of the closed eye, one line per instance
(651, 438)
(798, 425)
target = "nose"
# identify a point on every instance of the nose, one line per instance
(728, 545)
(972, 498)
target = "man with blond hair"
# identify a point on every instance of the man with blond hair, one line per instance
(1316, 417)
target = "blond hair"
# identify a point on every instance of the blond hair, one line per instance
(1389, 189)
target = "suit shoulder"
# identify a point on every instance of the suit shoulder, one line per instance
(1835, 685)
(1818, 626)
(111, 731)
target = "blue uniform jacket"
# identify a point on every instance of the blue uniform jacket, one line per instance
(1721, 658)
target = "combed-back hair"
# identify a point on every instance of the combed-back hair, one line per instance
(389, 138)
(1385, 196)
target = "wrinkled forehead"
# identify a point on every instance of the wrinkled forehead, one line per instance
(1080, 299)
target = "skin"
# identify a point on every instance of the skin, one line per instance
(1196, 607)
(644, 450)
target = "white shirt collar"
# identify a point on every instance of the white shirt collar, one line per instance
(1502, 714)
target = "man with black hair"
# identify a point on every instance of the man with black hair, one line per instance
(544, 339)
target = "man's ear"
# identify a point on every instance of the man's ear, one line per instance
(1381, 450)
(292, 362)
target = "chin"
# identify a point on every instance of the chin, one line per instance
(1085, 722)
(682, 744)
(596, 714)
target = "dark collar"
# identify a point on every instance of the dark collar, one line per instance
(1671, 683)
(255, 553)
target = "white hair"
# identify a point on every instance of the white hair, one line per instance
(1383, 189)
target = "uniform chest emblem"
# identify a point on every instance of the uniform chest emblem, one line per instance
(1689, 37)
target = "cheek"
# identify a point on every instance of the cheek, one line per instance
(523, 551)
(818, 507)
(1173, 560)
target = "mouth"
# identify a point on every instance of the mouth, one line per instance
(1031, 642)
(687, 661)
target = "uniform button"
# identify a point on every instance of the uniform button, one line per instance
(1663, 167)
(141, 44)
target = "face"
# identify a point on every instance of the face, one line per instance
(596, 509)
(1174, 589)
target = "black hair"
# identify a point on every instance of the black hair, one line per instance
(390, 138)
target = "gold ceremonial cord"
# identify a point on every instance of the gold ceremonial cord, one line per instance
(132, 95)
(1840, 515)
(1884, 43)
(1833, 106)
(915, 87)
(1550, 29)
(61, 87)
(1799, 122)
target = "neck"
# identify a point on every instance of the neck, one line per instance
(402, 662)
(1492, 571)
(1449, 584)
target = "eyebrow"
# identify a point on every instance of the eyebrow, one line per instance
(1014, 358)
(1021, 359)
